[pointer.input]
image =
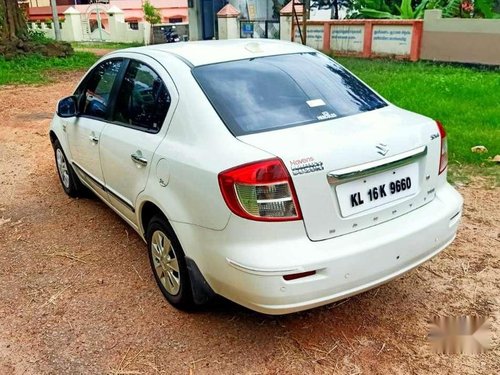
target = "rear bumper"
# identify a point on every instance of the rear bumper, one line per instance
(247, 260)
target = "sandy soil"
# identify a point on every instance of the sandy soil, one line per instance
(77, 294)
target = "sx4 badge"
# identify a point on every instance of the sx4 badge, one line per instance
(305, 165)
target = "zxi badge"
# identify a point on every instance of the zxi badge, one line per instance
(382, 149)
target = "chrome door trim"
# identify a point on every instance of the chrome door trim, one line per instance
(84, 173)
(104, 188)
(362, 170)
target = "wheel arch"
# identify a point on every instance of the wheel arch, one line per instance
(200, 288)
(53, 137)
(57, 134)
(147, 211)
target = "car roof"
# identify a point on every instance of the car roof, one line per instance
(215, 51)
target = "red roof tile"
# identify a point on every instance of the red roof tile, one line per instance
(228, 11)
(287, 9)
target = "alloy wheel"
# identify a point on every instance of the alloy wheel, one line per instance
(62, 167)
(166, 265)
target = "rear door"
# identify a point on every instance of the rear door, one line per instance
(143, 109)
(84, 131)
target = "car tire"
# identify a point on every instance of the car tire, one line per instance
(69, 180)
(168, 263)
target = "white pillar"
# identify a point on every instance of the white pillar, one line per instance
(116, 18)
(72, 26)
(285, 27)
(286, 15)
(432, 14)
(116, 13)
(147, 33)
(228, 23)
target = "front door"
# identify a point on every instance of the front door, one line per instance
(129, 142)
(84, 132)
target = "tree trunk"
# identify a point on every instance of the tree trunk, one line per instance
(334, 15)
(12, 22)
(14, 37)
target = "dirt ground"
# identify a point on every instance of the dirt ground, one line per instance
(77, 295)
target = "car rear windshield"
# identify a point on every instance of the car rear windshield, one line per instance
(275, 92)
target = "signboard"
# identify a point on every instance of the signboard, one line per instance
(252, 11)
(392, 39)
(347, 38)
(247, 28)
(314, 37)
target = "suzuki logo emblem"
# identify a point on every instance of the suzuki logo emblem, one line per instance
(382, 149)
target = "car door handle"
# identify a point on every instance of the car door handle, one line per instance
(94, 139)
(139, 159)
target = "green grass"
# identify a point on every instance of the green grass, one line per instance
(104, 45)
(37, 69)
(466, 100)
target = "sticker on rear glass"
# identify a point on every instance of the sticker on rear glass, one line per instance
(305, 165)
(326, 115)
(315, 103)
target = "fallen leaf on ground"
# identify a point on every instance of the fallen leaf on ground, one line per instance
(479, 149)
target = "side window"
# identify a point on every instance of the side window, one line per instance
(143, 100)
(96, 90)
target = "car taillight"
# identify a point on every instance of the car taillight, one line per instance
(260, 191)
(443, 160)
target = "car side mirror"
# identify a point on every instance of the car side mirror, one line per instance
(67, 107)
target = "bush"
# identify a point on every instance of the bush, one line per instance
(38, 36)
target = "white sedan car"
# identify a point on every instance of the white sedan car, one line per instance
(261, 171)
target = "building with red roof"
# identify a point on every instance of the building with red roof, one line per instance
(171, 11)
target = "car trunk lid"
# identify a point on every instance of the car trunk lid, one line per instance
(354, 172)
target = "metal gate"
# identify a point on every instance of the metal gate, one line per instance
(269, 29)
(89, 25)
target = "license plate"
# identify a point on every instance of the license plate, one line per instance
(377, 190)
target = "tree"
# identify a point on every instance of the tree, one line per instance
(15, 38)
(332, 5)
(151, 15)
(403, 11)
(277, 6)
(408, 9)
(12, 22)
